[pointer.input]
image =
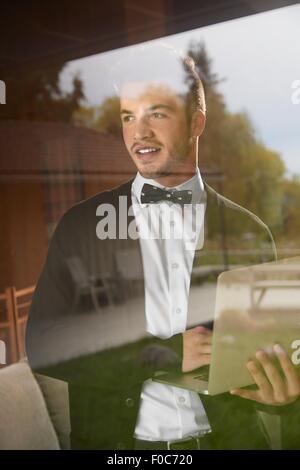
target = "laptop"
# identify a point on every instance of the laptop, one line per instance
(255, 308)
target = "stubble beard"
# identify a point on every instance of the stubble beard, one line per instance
(154, 173)
(172, 166)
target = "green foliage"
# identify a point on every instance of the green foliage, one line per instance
(37, 96)
(290, 209)
(203, 63)
(109, 116)
(104, 118)
(252, 172)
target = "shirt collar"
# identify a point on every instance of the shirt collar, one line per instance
(195, 184)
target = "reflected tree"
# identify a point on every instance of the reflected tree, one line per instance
(36, 95)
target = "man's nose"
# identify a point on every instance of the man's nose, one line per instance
(143, 130)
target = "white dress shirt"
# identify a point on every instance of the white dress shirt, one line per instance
(168, 238)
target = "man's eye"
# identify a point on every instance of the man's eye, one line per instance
(158, 115)
(127, 118)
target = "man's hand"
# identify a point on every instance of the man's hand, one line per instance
(196, 348)
(273, 388)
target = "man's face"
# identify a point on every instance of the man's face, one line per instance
(155, 129)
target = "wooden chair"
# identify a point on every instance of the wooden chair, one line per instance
(8, 328)
(21, 300)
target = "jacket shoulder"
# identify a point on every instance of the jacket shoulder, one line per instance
(105, 197)
(214, 196)
(78, 217)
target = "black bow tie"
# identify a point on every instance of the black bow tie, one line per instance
(152, 194)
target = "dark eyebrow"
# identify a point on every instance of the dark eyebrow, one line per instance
(125, 111)
(161, 106)
(151, 108)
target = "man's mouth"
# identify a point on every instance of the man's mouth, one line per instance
(141, 151)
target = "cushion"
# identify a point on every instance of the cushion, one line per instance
(56, 394)
(24, 420)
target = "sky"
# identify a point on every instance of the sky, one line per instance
(259, 59)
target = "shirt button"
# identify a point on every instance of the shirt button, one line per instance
(175, 265)
(129, 402)
(178, 310)
(181, 399)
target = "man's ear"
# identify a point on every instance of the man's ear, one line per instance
(197, 123)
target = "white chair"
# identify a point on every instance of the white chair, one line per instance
(86, 284)
(130, 270)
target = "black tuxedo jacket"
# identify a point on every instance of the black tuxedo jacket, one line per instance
(105, 384)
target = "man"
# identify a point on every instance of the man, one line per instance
(114, 401)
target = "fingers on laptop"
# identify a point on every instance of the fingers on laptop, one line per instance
(264, 394)
(203, 344)
(202, 330)
(204, 360)
(273, 388)
(249, 394)
(291, 376)
(203, 334)
(204, 349)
